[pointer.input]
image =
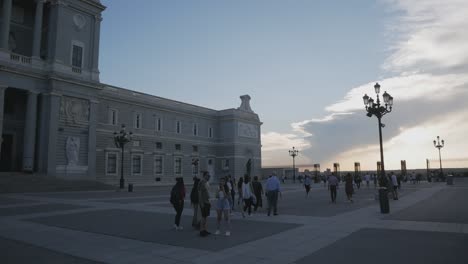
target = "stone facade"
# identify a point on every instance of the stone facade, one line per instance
(58, 119)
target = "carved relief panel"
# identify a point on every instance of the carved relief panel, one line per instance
(75, 111)
(247, 130)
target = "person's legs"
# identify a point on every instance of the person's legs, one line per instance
(195, 221)
(270, 202)
(256, 204)
(233, 195)
(228, 222)
(218, 220)
(275, 202)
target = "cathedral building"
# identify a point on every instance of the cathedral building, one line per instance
(57, 119)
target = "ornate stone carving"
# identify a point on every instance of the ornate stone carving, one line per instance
(247, 130)
(245, 105)
(74, 110)
(79, 21)
(72, 150)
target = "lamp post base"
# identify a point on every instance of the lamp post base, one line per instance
(383, 199)
(122, 183)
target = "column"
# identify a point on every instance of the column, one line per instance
(5, 32)
(2, 99)
(53, 118)
(30, 132)
(38, 29)
(92, 139)
(97, 33)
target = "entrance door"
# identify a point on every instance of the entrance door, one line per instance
(6, 156)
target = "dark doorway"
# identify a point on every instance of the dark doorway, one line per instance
(6, 156)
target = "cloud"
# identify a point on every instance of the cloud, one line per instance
(435, 35)
(428, 67)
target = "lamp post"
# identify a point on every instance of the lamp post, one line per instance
(378, 110)
(293, 153)
(120, 139)
(438, 145)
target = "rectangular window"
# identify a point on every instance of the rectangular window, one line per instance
(136, 143)
(77, 56)
(111, 167)
(113, 117)
(195, 129)
(210, 132)
(136, 164)
(158, 165)
(177, 165)
(159, 145)
(137, 121)
(225, 164)
(178, 127)
(178, 147)
(195, 148)
(195, 166)
(158, 124)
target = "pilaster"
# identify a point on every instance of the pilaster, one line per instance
(5, 32)
(37, 28)
(30, 132)
(97, 33)
(54, 101)
(2, 99)
(92, 139)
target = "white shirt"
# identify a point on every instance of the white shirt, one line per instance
(246, 193)
(367, 177)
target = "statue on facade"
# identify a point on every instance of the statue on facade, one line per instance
(245, 105)
(248, 167)
(73, 150)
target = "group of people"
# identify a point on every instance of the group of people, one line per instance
(392, 182)
(250, 194)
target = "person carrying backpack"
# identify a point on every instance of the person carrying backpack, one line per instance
(177, 201)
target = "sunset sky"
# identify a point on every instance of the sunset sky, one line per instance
(306, 65)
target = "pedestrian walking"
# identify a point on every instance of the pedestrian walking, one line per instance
(367, 179)
(399, 181)
(307, 183)
(239, 191)
(272, 190)
(204, 200)
(394, 180)
(228, 189)
(247, 195)
(177, 201)
(358, 180)
(258, 192)
(195, 205)
(349, 187)
(223, 207)
(375, 180)
(333, 186)
(232, 182)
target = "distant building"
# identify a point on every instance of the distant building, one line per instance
(58, 119)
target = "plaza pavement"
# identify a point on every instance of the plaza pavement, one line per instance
(428, 224)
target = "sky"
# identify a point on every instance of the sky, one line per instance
(306, 65)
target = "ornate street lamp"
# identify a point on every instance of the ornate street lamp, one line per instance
(439, 146)
(378, 110)
(293, 153)
(120, 139)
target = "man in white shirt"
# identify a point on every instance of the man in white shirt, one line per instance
(367, 179)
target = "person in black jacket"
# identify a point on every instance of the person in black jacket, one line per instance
(258, 192)
(177, 200)
(195, 204)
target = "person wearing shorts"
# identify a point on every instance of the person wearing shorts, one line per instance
(223, 206)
